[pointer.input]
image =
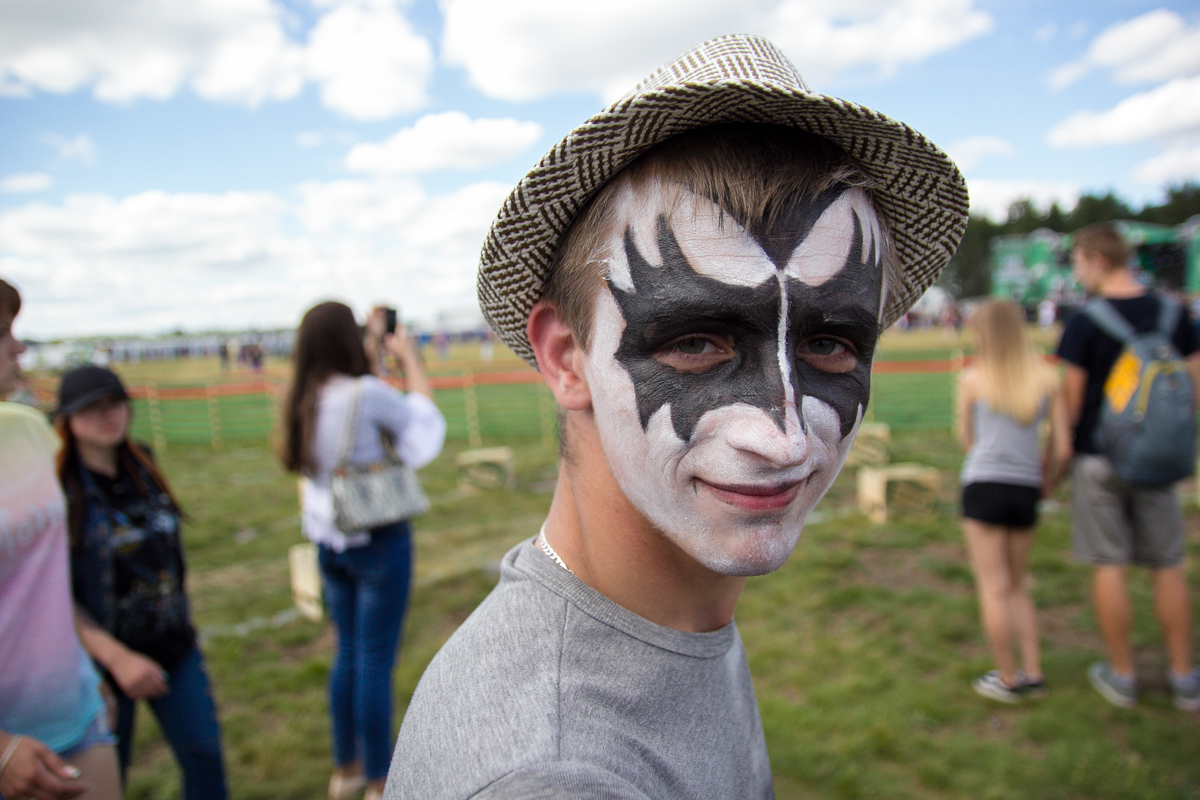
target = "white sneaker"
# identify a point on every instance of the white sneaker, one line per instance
(346, 787)
(990, 684)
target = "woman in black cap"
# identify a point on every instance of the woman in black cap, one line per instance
(127, 576)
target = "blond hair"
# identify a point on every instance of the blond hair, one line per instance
(1011, 376)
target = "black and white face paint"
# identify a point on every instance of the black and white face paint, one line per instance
(730, 368)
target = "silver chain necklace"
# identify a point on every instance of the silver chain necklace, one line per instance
(545, 547)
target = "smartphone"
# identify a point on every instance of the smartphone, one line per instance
(389, 325)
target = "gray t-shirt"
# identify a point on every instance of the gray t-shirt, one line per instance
(551, 690)
(1004, 450)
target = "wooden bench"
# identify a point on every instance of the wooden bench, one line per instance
(486, 468)
(306, 580)
(873, 482)
(870, 444)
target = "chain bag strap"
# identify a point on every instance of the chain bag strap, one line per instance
(370, 495)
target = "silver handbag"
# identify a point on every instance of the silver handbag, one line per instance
(379, 493)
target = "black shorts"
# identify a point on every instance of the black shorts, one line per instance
(1001, 504)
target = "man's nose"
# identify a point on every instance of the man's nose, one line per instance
(759, 434)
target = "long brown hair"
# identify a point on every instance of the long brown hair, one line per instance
(10, 299)
(1014, 379)
(130, 456)
(329, 342)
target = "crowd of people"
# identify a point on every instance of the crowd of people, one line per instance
(93, 610)
(701, 274)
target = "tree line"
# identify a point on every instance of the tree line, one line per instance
(967, 274)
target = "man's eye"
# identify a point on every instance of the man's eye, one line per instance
(824, 347)
(828, 354)
(695, 354)
(693, 346)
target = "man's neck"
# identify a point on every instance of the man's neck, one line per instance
(611, 547)
(1120, 284)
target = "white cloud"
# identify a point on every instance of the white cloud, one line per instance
(151, 230)
(450, 140)
(21, 182)
(74, 148)
(993, 197)
(309, 139)
(250, 64)
(1156, 46)
(370, 63)
(1176, 165)
(205, 261)
(459, 221)
(1063, 76)
(967, 153)
(1172, 109)
(381, 206)
(362, 54)
(525, 49)
(1181, 56)
(1045, 33)
(825, 39)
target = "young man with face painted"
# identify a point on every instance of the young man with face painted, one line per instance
(701, 273)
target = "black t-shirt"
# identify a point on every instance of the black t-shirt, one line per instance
(151, 613)
(1085, 345)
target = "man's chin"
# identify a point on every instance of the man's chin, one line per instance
(743, 553)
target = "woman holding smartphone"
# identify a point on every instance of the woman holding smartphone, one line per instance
(365, 573)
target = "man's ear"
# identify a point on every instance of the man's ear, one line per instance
(559, 356)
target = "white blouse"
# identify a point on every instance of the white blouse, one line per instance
(412, 420)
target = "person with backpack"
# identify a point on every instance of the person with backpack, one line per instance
(1132, 361)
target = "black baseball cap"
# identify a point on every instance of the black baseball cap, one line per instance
(82, 386)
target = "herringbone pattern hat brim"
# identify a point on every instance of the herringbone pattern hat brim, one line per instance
(736, 78)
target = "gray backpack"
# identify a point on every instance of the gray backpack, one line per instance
(1147, 424)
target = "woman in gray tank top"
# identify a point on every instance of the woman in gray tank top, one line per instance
(1004, 398)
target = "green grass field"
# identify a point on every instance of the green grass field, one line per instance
(862, 646)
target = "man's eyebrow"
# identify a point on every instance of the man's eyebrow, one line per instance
(714, 311)
(849, 315)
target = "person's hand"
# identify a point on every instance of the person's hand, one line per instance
(400, 345)
(377, 323)
(140, 678)
(33, 771)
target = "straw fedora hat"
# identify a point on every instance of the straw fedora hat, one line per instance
(736, 78)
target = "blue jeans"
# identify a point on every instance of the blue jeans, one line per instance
(188, 718)
(366, 592)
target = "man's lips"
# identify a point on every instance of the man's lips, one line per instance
(757, 497)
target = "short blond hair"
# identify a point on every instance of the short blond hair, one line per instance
(753, 172)
(1103, 239)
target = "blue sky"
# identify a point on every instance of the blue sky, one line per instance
(224, 164)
